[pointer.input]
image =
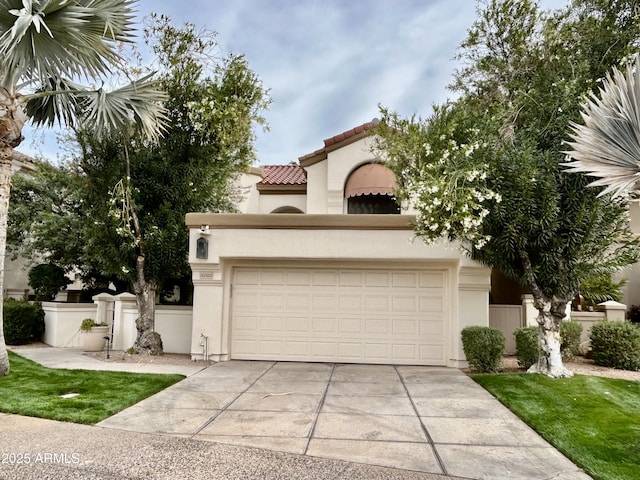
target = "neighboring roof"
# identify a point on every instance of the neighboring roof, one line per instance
(290, 178)
(23, 162)
(338, 141)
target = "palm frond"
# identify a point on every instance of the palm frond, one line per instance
(59, 37)
(65, 102)
(140, 103)
(607, 145)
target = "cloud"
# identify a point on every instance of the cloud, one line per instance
(329, 63)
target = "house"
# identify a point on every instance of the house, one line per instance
(321, 265)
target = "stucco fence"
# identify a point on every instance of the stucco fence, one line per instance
(507, 318)
(62, 322)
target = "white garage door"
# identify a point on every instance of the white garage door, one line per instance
(339, 315)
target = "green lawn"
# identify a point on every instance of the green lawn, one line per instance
(33, 390)
(594, 421)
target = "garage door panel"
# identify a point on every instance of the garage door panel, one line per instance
(246, 322)
(404, 327)
(430, 327)
(350, 279)
(333, 314)
(349, 350)
(407, 352)
(296, 348)
(324, 278)
(431, 304)
(404, 303)
(350, 325)
(377, 279)
(272, 277)
(298, 302)
(405, 279)
(431, 280)
(376, 303)
(322, 350)
(350, 303)
(377, 326)
(324, 325)
(298, 324)
(298, 278)
(324, 303)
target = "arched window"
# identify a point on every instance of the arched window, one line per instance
(369, 190)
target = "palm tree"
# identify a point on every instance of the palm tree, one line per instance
(607, 146)
(46, 47)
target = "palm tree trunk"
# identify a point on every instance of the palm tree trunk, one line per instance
(6, 155)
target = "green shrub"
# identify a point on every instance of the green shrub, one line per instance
(570, 333)
(526, 346)
(23, 321)
(616, 344)
(483, 347)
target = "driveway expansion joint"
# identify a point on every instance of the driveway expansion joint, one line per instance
(424, 428)
(319, 409)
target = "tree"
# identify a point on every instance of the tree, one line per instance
(46, 46)
(137, 194)
(47, 280)
(486, 168)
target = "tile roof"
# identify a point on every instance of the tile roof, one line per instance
(283, 175)
(350, 133)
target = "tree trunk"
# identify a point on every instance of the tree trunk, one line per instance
(6, 154)
(550, 315)
(12, 119)
(148, 341)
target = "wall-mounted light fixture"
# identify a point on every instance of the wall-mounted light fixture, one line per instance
(202, 248)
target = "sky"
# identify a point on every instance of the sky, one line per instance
(328, 64)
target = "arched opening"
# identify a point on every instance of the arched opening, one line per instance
(287, 209)
(369, 190)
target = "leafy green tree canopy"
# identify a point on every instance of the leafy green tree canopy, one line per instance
(485, 169)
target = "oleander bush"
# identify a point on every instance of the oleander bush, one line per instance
(483, 347)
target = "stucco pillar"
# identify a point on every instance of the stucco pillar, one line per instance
(124, 333)
(529, 311)
(208, 337)
(104, 312)
(474, 284)
(614, 311)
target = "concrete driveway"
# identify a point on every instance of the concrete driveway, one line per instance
(426, 419)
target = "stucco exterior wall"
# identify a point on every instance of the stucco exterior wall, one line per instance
(269, 203)
(631, 292)
(374, 241)
(317, 175)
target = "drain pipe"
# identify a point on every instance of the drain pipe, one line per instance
(205, 346)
